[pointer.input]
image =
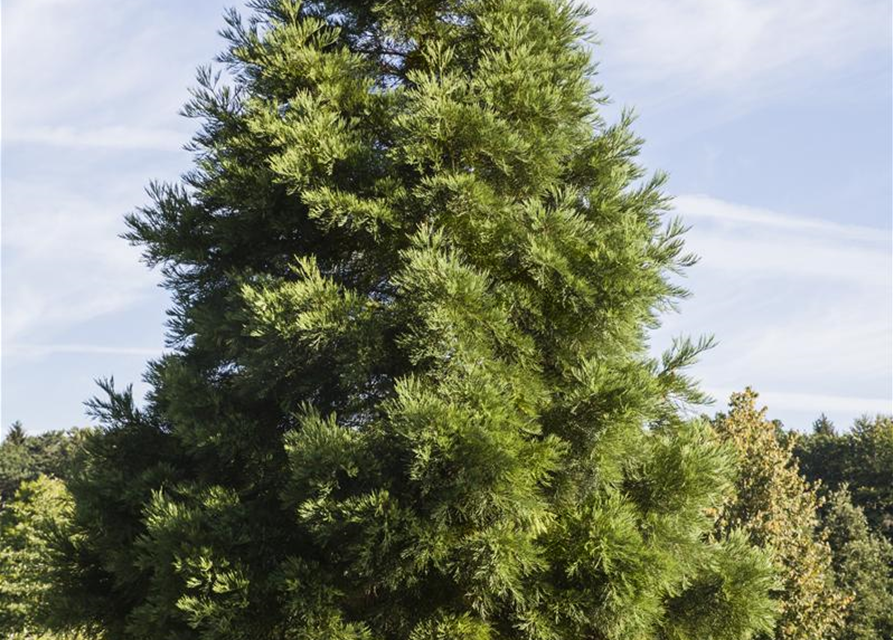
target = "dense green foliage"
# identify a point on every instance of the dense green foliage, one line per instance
(35, 530)
(34, 527)
(861, 458)
(855, 469)
(36, 523)
(863, 566)
(410, 394)
(778, 510)
(25, 457)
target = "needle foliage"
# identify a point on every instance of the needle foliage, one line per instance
(409, 394)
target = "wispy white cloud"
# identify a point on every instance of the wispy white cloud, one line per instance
(803, 309)
(89, 87)
(141, 59)
(814, 403)
(43, 350)
(85, 84)
(111, 137)
(745, 48)
(704, 206)
(760, 243)
(63, 261)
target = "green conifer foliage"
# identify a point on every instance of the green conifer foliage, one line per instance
(24, 457)
(777, 508)
(863, 566)
(862, 458)
(410, 396)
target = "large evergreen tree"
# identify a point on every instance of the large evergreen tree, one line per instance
(409, 394)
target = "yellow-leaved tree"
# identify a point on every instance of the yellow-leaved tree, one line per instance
(778, 509)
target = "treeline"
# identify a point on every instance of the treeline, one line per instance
(860, 459)
(36, 512)
(819, 502)
(26, 457)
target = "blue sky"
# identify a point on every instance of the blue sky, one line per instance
(773, 118)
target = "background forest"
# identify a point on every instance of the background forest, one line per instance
(821, 500)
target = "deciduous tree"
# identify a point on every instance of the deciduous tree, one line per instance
(34, 526)
(778, 509)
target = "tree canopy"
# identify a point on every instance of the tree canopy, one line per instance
(24, 457)
(778, 509)
(860, 458)
(863, 566)
(409, 393)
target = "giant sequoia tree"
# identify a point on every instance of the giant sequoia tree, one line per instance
(409, 395)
